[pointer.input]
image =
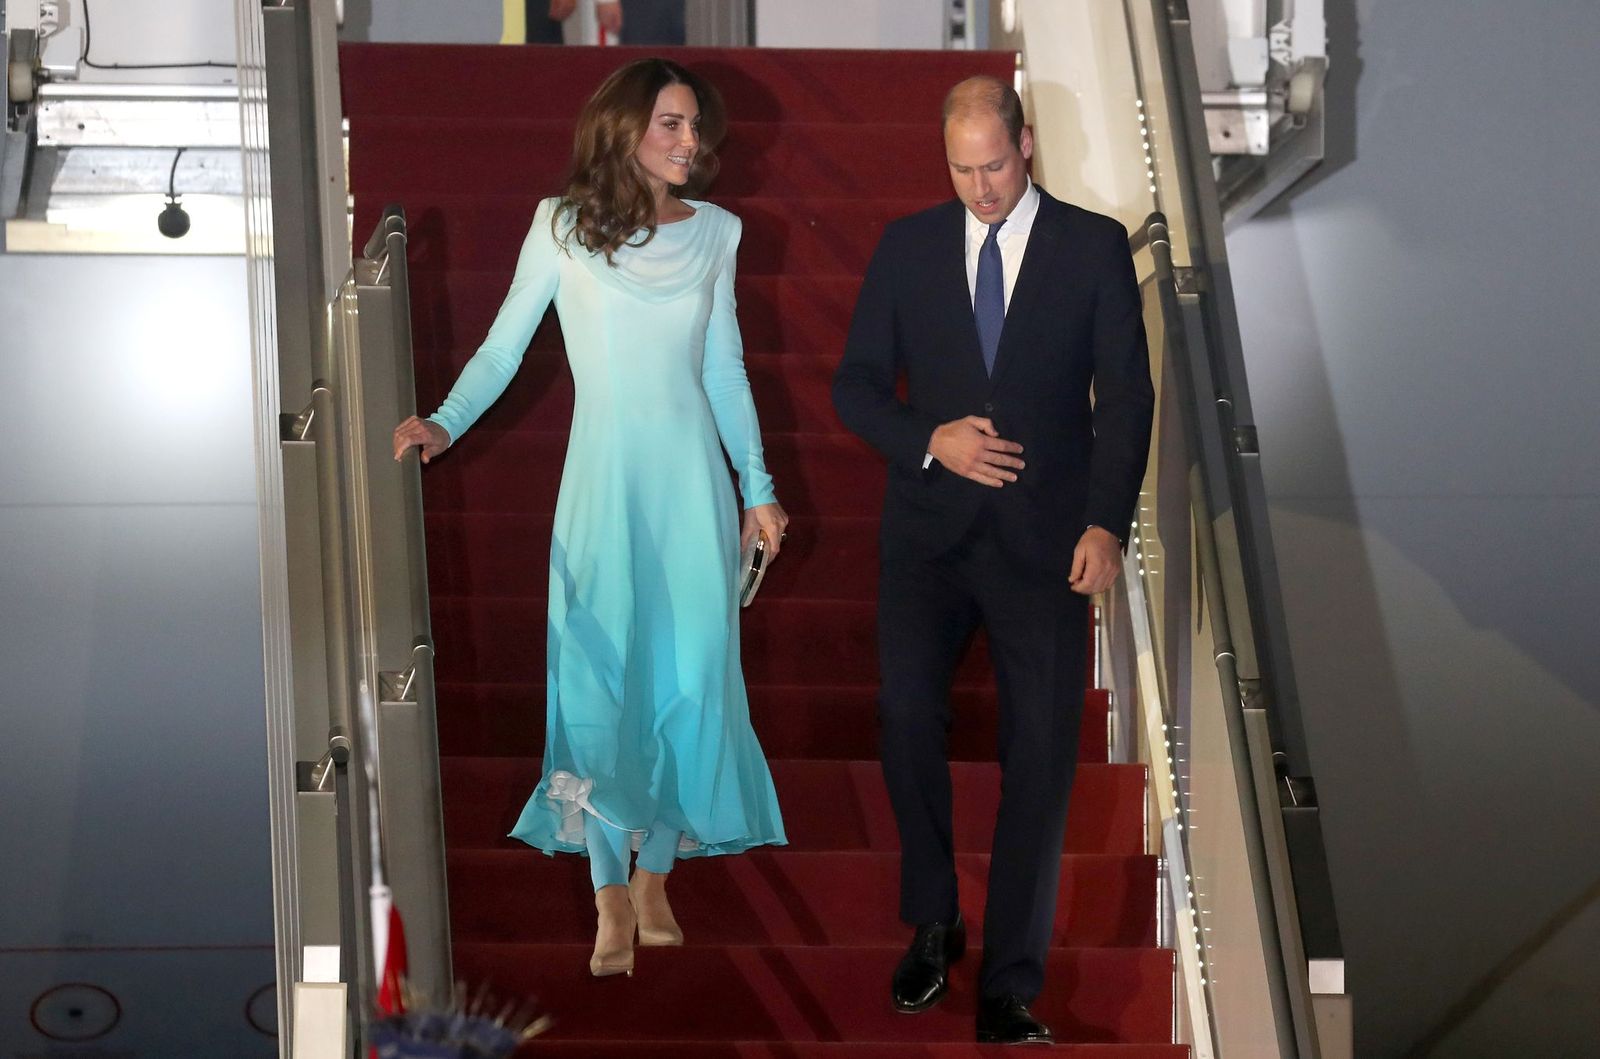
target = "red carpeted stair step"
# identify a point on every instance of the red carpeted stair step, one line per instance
(785, 898)
(480, 554)
(782, 236)
(813, 993)
(766, 84)
(520, 471)
(804, 721)
(502, 641)
(491, 553)
(827, 805)
(509, 156)
(790, 948)
(451, 312)
(792, 390)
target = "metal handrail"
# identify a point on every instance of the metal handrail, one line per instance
(1159, 732)
(323, 425)
(356, 612)
(402, 624)
(384, 757)
(1238, 561)
(327, 427)
(387, 249)
(1251, 583)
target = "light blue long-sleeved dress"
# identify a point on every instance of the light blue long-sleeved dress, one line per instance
(648, 721)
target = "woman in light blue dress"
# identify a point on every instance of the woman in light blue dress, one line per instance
(648, 743)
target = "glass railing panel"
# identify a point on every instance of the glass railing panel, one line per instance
(1223, 662)
(1213, 905)
(1236, 921)
(365, 748)
(1231, 895)
(1161, 118)
(405, 722)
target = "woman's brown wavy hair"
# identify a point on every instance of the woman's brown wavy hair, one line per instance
(607, 192)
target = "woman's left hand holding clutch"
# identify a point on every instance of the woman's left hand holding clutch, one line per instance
(769, 521)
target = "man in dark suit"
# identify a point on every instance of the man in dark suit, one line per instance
(1009, 498)
(542, 19)
(647, 22)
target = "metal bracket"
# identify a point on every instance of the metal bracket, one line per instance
(1188, 279)
(399, 685)
(292, 427)
(1280, 43)
(1252, 694)
(91, 115)
(320, 777)
(1239, 121)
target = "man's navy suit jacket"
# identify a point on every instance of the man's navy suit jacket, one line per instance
(1074, 323)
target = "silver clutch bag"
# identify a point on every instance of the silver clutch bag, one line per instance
(752, 568)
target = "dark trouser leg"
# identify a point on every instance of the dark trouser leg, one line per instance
(924, 619)
(650, 22)
(541, 28)
(1036, 627)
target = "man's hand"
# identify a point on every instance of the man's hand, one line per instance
(420, 433)
(561, 10)
(610, 17)
(1095, 561)
(972, 448)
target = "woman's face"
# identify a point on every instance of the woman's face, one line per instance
(669, 145)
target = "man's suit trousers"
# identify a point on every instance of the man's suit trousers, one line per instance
(1036, 626)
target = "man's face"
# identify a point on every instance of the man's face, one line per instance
(988, 171)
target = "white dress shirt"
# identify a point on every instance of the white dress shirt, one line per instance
(1013, 240)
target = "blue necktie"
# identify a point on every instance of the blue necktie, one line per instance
(989, 299)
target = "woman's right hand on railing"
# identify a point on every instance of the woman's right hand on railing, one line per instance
(425, 434)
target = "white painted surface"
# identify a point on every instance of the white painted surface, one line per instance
(155, 31)
(1083, 102)
(850, 24)
(132, 730)
(165, 1003)
(320, 1027)
(1419, 327)
(424, 21)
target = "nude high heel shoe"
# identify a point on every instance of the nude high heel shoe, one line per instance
(613, 939)
(648, 892)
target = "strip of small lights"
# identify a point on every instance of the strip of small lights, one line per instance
(1149, 149)
(1176, 816)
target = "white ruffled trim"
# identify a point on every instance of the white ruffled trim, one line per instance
(572, 796)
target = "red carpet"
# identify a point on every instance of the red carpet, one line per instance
(789, 950)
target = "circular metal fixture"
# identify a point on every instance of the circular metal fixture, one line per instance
(261, 1010)
(75, 1011)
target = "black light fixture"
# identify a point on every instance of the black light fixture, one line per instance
(174, 220)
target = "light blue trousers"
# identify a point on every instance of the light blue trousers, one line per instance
(609, 848)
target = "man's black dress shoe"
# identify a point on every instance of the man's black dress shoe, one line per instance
(1007, 1020)
(924, 971)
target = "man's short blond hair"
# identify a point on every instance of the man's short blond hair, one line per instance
(986, 95)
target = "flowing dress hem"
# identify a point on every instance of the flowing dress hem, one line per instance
(566, 799)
